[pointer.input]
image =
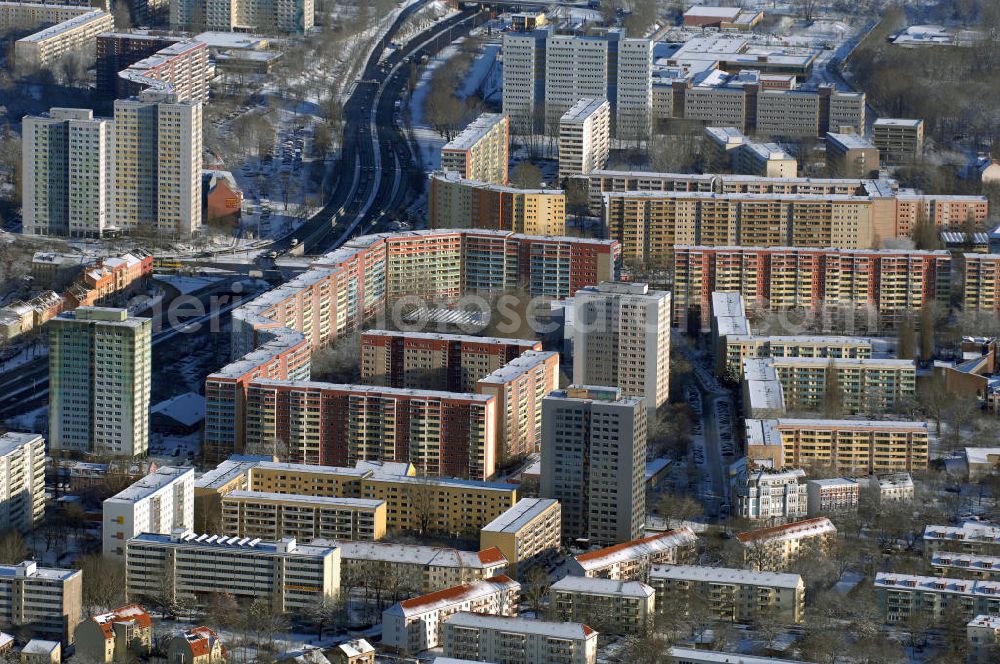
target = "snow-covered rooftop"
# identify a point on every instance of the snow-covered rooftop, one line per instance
(639, 548)
(559, 630)
(725, 575)
(517, 517)
(588, 586)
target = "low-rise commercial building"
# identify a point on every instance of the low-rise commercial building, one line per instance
(616, 607)
(22, 480)
(517, 640)
(118, 636)
(157, 503)
(857, 447)
(414, 625)
(774, 548)
(632, 560)
(425, 568)
(45, 600)
(273, 516)
(527, 533)
(734, 595)
(899, 140)
(292, 577)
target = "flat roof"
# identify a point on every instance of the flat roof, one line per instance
(596, 586)
(188, 539)
(70, 24)
(679, 653)
(583, 109)
(15, 440)
(415, 554)
(559, 630)
(464, 338)
(521, 514)
(713, 12)
(725, 575)
(516, 367)
(850, 141)
(152, 483)
(474, 132)
(898, 122)
(317, 501)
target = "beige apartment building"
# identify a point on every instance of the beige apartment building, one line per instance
(526, 534)
(616, 607)
(118, 636)
(414, 625)
(855, 447)
(293, 577)
(622, 339)
(983, 638)
(904, 597)
(412, 503)
(775, 548)
(256, 16)
(456, 202)
(739, 347)
(633, 560)
(584, 137)
(65, 28)
(517, 640)
(480, 151)
(728, 149)
(981, 290)
(866, 385)
(425, 568)
(519, 388)
(157, 164)
(649, 224)
(733, 595)
(899, 140)
(273, 516)
(851, 156)
(22, 480)
(45, 600)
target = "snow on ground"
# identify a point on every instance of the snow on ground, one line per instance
(428, 140)
(186, 285)
(26, 354)
(484, 74)
(34, 421)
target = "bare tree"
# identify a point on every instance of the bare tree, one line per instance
(13, 550)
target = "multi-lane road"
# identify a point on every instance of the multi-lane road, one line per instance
(377, 176)
(377, 172)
